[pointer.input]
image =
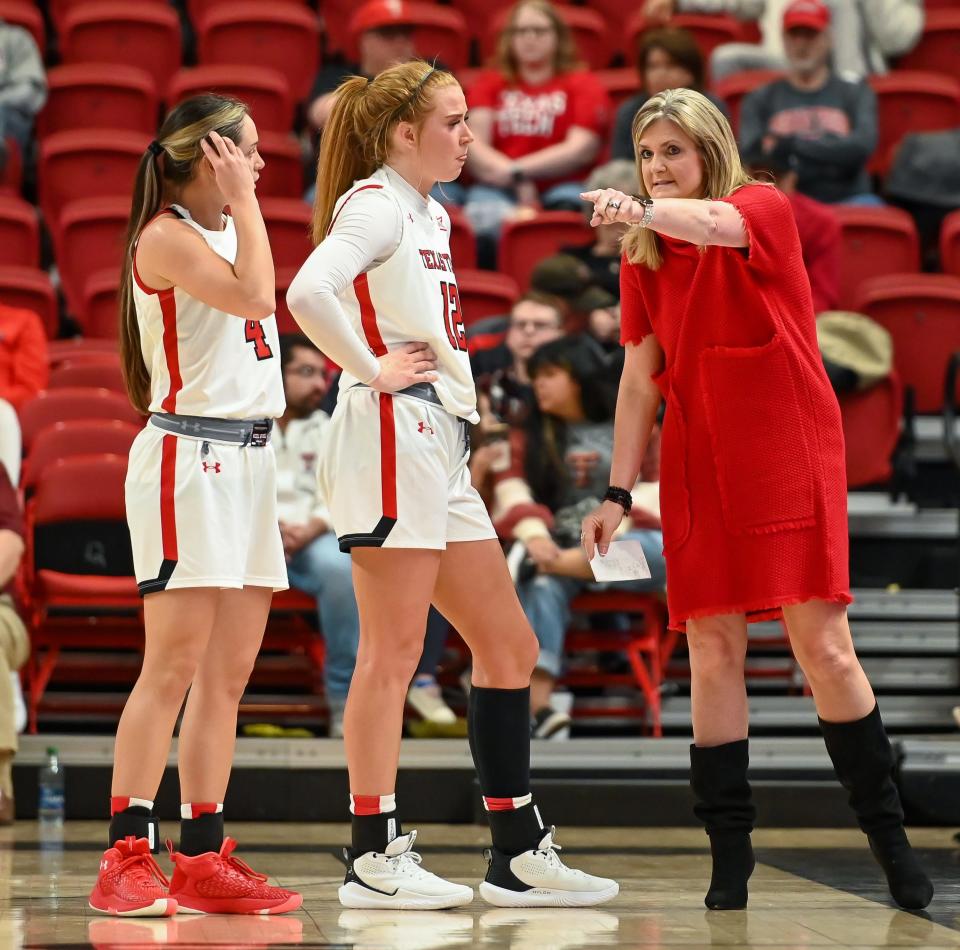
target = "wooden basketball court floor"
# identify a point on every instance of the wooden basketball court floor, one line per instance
(812, 888)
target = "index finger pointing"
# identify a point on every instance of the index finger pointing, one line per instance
(590, 195)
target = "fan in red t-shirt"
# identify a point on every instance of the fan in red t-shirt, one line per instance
(717, 317)
(539, 119)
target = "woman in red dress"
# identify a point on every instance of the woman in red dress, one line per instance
(717, 318)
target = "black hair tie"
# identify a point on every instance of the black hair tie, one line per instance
(155, 148)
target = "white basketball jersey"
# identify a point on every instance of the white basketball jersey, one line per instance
(413, 296)
(202, 361)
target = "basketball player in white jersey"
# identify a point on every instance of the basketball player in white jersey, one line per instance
(379, 296)
(198, 342)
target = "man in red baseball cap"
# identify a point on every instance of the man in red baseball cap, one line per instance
(806, 14)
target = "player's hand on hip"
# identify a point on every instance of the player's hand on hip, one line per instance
(597, 528)
(411, 363)
(610, 206)
(230, 168)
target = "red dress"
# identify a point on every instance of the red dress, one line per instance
(752, 482)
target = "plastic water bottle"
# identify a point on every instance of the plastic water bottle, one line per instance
(50, 806)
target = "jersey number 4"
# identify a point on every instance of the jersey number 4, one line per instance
(255, 335)
(452, 318)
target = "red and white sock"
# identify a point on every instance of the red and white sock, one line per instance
(196, 809)
(372, 804)
(506, 804)
(120, 803)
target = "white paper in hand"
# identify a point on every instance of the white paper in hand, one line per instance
(624, 561)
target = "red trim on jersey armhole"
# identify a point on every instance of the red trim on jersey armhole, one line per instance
(345, 200)
(168, 485)
(388, 457)
(368, 316)
(136, 273)
(168, 308)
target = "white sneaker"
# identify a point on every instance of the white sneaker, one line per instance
(428, 702)
(395, 880)
(538, 878)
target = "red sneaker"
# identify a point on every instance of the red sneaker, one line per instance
(218, 883)
(130, 882)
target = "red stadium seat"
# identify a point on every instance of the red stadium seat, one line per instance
(265, 91)
(486, 334)
(922, 314)
(134, 34)
(11, 175)
(621, 84)
(288, 227)
(98, 313)
(463, 242)
(588, 27)
(438, 32)
(89, 237)
(950, 244)
(871, 430)
(61, 405)
(284, 37)
(99, 96)
(478, 16)
(29, 17)
(31, 289)
(87, 164)
(285, 322)
(523, 244)
(912, 102)
(77, 437)
(60, 8)
(710, 30)
(282, 173)
(198, 8)
(734, 87)
(79, 349)
(876, 241)
(939, 48)
(19, 233)
(484, 293)
(86, 374)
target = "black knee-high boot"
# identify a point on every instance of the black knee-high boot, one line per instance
(718, 777)
(864, 762)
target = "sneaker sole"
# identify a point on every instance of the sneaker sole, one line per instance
(542, 897)
(213, 907)
(161, 907)
(362, 898)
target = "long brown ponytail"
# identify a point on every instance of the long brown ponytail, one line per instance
(170, 161)
(356, 138)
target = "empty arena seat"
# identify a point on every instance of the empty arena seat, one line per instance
(439, 33)
(60, 8)
(106, 375)
(198, 8)
(939, 48)
(89, 237)
(11, 174)
(922, 314)
(950, 244)
(871, 430)
(282, 173)
(732, 89)
(280, 36)
(709, 30)
(523, 244)
(99, 96)
(31, 289)
(77, 349)
(266, 91)
(484, 293)
(19, 233)
(620, 84)
(463, 242)
(288, 227)
(285, 322)
(145, 35)
(912, 102)
(98, 312)
(29, 17)
(875, 241)
(81, 402)
(588, 27)
(87, 164)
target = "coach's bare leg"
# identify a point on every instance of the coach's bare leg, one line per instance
(208, 732)
(178, 624)
(393, 588)
(718, 694)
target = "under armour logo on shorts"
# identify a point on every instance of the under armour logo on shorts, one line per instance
(211, 467)
(423, 427)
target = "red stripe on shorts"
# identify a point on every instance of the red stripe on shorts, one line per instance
(168, 484)
(388, 457)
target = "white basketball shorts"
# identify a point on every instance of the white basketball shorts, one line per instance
(395, 474)
(202, 513)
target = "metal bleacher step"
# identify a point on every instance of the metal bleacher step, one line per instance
(906, 637)
(903, 604)
(875, 515)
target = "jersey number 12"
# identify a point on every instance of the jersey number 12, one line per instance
(452, 318)
(256, 336)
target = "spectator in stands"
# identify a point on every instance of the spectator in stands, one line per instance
(14, 642)
(384, 37)
(603, 318)
(315, 563)
(24, 370)
(820, 125)
(562, 276)
(820, 234)
(23, 85)
(559, 466)
(868, 32)
(501, 373)
(668, 58)
(539, 119)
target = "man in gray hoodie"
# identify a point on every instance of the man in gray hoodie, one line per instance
(23, 84)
